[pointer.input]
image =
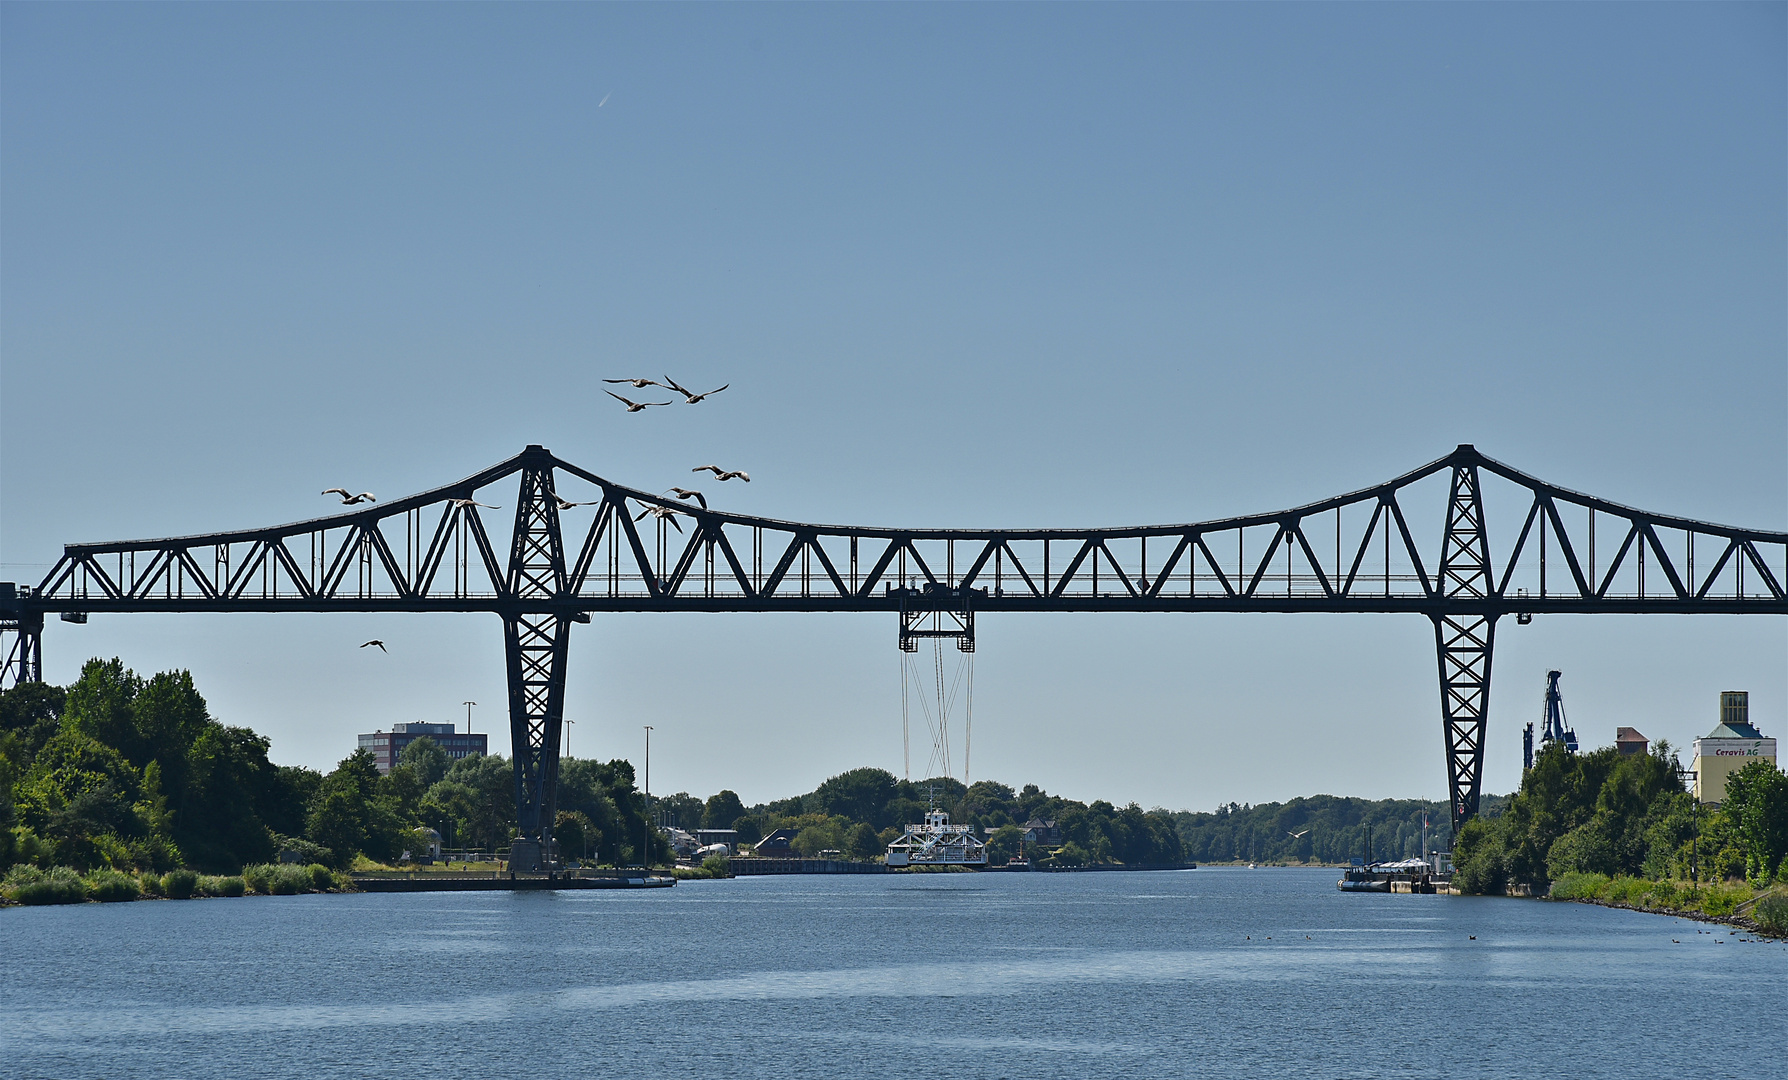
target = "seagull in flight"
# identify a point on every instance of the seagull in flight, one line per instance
(685, 494)
(350, 500)
(634, 406)
(690, 397)
(380, 644)
(722, 474)
(473, 502)
(567, 504)
(663, 513)
(1297, 835)
(638, 384)
(605, 98)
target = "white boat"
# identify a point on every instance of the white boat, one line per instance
(937, 843)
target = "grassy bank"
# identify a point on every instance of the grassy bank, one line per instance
(30, 886)
(1764, 911)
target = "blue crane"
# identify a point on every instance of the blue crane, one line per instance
(1554, 716)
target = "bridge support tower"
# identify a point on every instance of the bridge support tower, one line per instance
(1464, 639)
(536, 639)
(21, 641)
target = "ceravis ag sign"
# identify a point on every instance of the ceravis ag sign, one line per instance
(1735, 748)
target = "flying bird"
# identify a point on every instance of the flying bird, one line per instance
(638, 384)
(473, 502)
(690, 397)
(685, 494)
(634, 406)
(350, 500)
(567, 504)
(380, 644)
(720, 473)
(663, 513)
(1297, 835)
(605, 98)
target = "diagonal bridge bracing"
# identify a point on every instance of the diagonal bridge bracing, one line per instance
(1550, 551)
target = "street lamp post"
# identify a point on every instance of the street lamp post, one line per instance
(468, 705)
(568, 738)
(645, 839)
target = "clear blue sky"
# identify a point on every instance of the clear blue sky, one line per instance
(963, 265)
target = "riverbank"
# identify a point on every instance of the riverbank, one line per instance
(28, 886)
(1731, 904)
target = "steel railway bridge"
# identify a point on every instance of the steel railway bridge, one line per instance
(1352, 553)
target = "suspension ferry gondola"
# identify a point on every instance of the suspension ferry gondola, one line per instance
(936, 842)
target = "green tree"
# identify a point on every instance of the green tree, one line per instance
(986, 803)
(216, 815)
(822, 836)
(31, 713)
(168, 717)
(606, 793)
(860, 795)
(1480, 858)
(80, 795)
(425, 757)
(861, 843)
(583, 788)
(349, 818)
(1071, 854)
(422, 765)
(722, 810)
(1004, 844)
(1671, 824)
(682, 810)
(286, 797)
(578, 836)
(474, 804)
(1587, 849)
(1757, 806)
(102, 705)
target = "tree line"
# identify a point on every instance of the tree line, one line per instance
(120, 772)
(860, 812)
(1327, 829)
(1612, 814)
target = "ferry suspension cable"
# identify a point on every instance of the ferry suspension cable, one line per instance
(933, 687)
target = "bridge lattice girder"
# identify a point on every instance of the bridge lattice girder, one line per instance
(1353, 553)
(1569, 553)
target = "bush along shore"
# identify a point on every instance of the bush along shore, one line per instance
(1620, 830)
(32, 886)
(1732, 903)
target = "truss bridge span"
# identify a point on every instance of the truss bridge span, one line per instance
(1464, 541)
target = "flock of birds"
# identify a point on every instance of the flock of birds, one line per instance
(690, 397)
(663, 513)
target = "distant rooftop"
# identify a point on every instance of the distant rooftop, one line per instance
(1735, 731)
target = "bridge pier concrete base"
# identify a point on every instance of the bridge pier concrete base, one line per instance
(525, 857)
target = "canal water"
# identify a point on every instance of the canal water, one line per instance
(1209, 973)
